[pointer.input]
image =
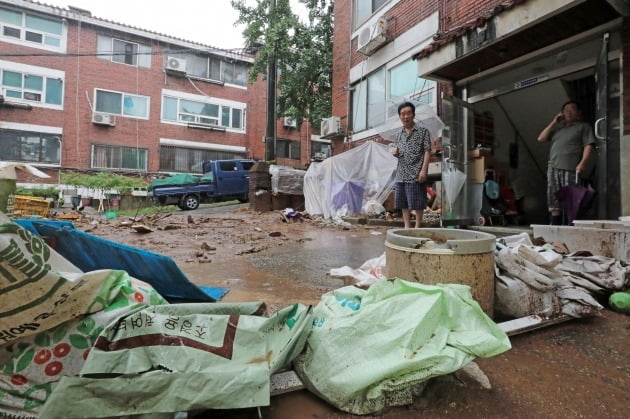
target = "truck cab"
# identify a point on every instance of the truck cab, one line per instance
(231, 177)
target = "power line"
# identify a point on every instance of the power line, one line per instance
(98, 54)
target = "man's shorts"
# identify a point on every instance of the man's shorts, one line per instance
(411, 196)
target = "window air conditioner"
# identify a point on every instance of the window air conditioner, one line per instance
(290, 122)
(103, 119)
(176, 66)
(330, 126)
(374, 36)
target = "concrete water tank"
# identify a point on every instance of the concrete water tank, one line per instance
(444, 256)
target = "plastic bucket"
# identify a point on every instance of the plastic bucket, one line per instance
(444, 256)
(7, 195)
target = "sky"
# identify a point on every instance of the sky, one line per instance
(210, 22)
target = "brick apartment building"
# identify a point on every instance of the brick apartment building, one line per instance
(80, 92)
(496, 71)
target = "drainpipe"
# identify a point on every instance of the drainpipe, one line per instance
(270, 133)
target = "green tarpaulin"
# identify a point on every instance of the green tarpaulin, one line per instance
(181, 179)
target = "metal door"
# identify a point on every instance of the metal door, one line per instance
(608, 137)
(458, 118)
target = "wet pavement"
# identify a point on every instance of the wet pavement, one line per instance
(294, 273)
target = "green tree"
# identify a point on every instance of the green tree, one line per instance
(303, 51)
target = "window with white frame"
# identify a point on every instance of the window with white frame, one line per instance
(289, 149)
(363, 9)
(186, 110)
(31, 87)
(234, 73)
(404, 84)
(368, 101)
(124, 52)
(202, 66)
(124, 104)
(30, 146)
(190, 160)
(31, 29)
(376, 97)
(106, 156)
(318, 147)
(210, 67)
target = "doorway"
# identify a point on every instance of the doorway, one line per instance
(521, 105)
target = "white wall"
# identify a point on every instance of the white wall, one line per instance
(530, 110)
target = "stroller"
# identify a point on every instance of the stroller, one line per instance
(492, 205)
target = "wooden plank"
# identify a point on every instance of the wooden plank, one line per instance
(529, 323)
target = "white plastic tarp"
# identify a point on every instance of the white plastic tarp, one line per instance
(425, 117)
(343, 184)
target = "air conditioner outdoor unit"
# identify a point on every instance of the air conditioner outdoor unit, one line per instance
(176, 66)
(290, 122)
(330, 126)
(374, 36)
(103, 119)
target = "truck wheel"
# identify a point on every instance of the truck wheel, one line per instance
(243, 198)
(190, 202)
(162, 200)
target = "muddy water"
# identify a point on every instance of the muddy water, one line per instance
(287, 274)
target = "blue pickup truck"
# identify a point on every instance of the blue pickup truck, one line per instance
(222, 180)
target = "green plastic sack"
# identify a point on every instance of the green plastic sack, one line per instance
(620, 301)
(372, 349)
(183, 357)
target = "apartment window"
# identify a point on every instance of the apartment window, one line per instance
(368, 102)
(124, 52)
(404, 83)
(30, 147)
(124, 104)
(186, 110)
(117, 157)
(30, 29)
(288, 149)
(31, 87)
(363, 9)
(211, 67)
(234, 73)
(318, 147)
(190, 160)
(205, 67)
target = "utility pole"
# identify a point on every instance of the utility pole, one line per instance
(270, 132)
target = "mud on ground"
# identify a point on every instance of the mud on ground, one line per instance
(201, 238)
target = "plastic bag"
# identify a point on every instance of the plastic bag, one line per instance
(372, 349)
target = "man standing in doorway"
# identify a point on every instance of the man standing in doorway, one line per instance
(572, 144)
(413, 148)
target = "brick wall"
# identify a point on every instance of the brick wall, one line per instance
(341, 62)
(454, 13)
(404, 15)
(85, 72)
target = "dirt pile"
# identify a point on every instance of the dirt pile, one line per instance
(188, 238)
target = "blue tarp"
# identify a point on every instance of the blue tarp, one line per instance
(90, 253)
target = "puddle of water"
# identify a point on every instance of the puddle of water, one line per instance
(288, 274)
(246, 283)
